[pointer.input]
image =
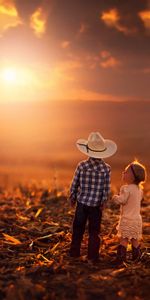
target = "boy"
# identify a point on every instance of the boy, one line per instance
(90, 188)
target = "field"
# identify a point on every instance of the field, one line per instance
(38, 151)
(35, 234)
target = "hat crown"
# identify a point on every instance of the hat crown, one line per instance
(96, 141)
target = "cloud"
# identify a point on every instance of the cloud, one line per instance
(145, 17)
(108, 61)
(112, 18)
(65, 44)
(8, 16)
(38, 22)
(88, 95)
(100, 45)
(27, 8)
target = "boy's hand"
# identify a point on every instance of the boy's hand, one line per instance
(103, 206)
(72, 202)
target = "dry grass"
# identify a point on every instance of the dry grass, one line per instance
(35, 234)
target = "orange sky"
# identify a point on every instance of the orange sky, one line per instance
(80, 50)
(72, 50)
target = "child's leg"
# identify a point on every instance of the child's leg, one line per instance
(135, 243)
(78, 229)
(121, 251)
(124, 241)
(136, 251)
(94, 216)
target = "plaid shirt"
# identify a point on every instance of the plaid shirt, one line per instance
(91, 182)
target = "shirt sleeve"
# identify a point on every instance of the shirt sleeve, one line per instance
(75, 184)
(106, 188)
(123, 195)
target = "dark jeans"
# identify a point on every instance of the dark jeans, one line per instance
(93, 215)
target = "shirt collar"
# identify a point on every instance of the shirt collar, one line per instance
(95, 161)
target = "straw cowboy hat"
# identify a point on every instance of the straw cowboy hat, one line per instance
(96, 146)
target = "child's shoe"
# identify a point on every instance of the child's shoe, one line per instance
(121, 256)
(136, 253)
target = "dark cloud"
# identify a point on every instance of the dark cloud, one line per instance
(67, 15)
(25, 8)
(130, 6)
(65, 18)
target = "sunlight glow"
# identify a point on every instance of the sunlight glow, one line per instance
(20, 83)
(9, 75)
(8, 10)
(8, 16)
(110, 17)
(38, 22)
(16, 76)
(145, 17)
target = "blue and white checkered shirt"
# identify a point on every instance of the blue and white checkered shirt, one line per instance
(91, 182)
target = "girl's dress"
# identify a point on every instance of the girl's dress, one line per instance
(130, 222)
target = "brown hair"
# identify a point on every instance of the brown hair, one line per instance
(139, 172)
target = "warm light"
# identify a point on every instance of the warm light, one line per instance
(16, 76)
(21, 83)
(9, 75)
(38, 22)
(8, 16)
(8, 10)
(145, 17)
(110, 17)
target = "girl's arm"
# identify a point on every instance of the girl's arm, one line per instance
(122, 198)
(106, 188)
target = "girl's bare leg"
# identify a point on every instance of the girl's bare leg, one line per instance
(135, 243)
(136, 251)
(124, 241)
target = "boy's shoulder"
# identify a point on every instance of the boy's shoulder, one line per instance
(82, 163)
(85, 163)
(107, 165)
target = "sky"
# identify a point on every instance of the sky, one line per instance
(75, 50)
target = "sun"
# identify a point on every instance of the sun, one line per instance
(9, 75)
(16, 76)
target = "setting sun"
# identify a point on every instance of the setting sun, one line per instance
(17, 76)
(18, 83)
(9, 75)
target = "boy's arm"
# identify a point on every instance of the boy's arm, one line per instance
(106, 189)
(75, 185)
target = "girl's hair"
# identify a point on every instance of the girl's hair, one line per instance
(139, 172)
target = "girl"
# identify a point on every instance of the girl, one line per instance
(130, 222)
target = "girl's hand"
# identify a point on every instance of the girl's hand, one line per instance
(115, 198)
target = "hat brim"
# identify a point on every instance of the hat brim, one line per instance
(110, 146)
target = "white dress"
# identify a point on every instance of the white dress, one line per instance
(130, 222)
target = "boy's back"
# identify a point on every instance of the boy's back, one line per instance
(90, 189)
(91, 183)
